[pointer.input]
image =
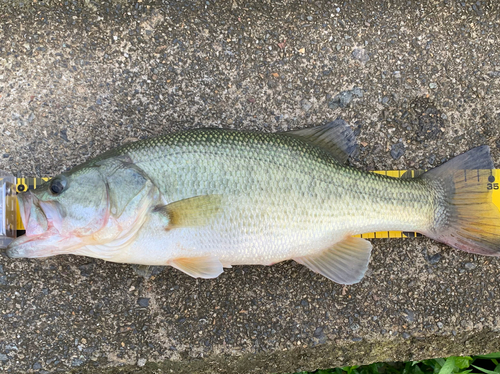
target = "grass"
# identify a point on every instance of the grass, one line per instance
(485, 364)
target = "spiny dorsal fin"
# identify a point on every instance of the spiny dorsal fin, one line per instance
(198, 267)
(336, 137)
(191, 212)
(345, 262)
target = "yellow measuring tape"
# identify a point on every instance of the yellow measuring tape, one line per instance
(488, 179)
(25, 184)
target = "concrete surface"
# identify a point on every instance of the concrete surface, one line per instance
(419, 83)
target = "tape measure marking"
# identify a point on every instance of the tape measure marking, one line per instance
(24, 184)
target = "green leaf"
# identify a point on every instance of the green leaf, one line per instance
(462, 362)
(449, 365)
(389, 369)
(350, 369)
(375, 368)
(417, 370)
(485, 370)
(435, 364)
(408, 368)
(440, 361)
(489, 355)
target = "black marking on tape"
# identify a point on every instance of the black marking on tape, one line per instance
(405, 175)
(411, 234)
(491, 179)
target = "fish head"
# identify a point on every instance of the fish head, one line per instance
(63, 214)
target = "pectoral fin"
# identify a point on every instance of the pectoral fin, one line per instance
(198, 267)
(345, 262)
(191, 212)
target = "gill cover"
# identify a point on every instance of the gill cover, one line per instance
(130, 195)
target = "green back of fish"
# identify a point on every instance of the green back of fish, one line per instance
(280, 171)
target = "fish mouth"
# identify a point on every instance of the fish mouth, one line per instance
(42, 222)
(25, 246)
(34, 219)
(39, 216)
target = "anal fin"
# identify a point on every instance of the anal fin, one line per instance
(345, 262)
(198, 267)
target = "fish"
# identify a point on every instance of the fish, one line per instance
(202, 200)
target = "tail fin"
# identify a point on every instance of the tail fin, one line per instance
(466, 217)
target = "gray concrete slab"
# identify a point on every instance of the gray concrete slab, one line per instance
(419, 83)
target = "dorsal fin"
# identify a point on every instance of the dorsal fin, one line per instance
(336, 137)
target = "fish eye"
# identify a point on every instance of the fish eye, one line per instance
(57, 186)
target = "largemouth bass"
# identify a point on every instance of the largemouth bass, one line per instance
(205, 199)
